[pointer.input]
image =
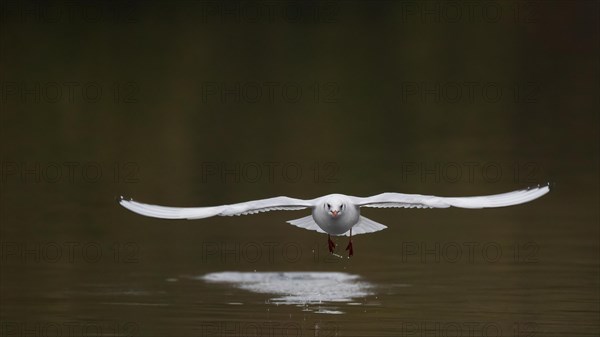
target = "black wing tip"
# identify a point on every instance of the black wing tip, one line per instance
(121, 198)
(548, 184)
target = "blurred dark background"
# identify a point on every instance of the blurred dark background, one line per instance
(195, 103)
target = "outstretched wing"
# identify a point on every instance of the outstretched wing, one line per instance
(399, 200)
(243, 208)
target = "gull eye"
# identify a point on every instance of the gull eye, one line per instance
(328, 206)
(342, 206)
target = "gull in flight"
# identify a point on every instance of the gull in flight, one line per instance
(337, 214)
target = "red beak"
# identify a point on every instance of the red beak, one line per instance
(335, 213)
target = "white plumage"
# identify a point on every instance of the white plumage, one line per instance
(337, 214)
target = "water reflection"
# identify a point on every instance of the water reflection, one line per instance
(300, 288)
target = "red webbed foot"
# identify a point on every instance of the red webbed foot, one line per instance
(331, 244)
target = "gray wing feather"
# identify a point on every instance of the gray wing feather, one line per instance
(250, 207)
(399, 200)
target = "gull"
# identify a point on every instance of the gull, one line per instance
(337, 214)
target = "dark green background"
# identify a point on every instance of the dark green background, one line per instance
(357, 123)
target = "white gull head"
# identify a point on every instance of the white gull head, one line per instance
(336, 214)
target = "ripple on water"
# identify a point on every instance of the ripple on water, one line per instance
(298, 288)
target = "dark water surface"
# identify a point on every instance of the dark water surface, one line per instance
(188, 104)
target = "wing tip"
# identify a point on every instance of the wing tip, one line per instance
(549, 185)
(120, 199)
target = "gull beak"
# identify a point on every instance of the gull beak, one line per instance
(334, 213)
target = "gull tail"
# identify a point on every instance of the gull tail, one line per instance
(307, 223)
(363, 226)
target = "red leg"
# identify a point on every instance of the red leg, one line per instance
(349, 247)
(331, 243)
